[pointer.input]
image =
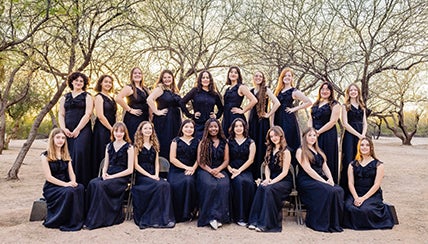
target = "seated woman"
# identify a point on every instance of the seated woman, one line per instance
(211, 181)
(364, 208)
(322, 198)
(105, 194)
(64, 197)
(181, 174)
(266, 211)
(151, 194)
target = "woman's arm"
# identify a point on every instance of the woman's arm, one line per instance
(173, 157)
(351, 182)
(305, 164)
(244, 91)
(327, 173)
(61, 117)
(183, 102)
(140, 169)
(225, 162)
(244, 166)
(267, 179)
(99, 111)
(378, 180)
(275, 103)
(335, 114)
(130, 165)
(48, 174)
(347, 126)
(285, 167)
(157, 92)
(364, 132)
(298, 95)
(106, 163)
(219, 105)
(86, 117)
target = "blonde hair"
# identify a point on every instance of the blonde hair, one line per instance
(348, 99)
(306, 152)
(139, 137)
(359, 156)
(51, 155)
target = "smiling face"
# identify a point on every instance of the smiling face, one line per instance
(188, 129)
(167, 79)
(213, 129)
(311, 137)
(325, 92)
(353, 91)
(365, 149)
(274, 137)
(59, 140)
(119, 133)
(258, 78)
(106, 84)
(238, 128)
(78, 83)
(288, 78)
(233, 75)
(137, 76)
(147, 130)
(205, 81)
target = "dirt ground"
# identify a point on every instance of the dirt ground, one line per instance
(404, 185)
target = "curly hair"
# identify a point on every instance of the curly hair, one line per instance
(261, 96)
(139, 137)
(207, 142)
(73, 76)
(277, 130)
(306, 152)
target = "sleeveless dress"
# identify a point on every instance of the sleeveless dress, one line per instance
(101, 133)
(231, 99)
(167, 126)
(258, 128)
(324, 203)
(105, 197)
(183, 187)
(79, 147)
(349, 143)
(151, 198)
(213, 192)
(202, 102)
(266, 210)
(243, 186)
(373, 213)
(327, 141)
(136, 102)
(64, 204)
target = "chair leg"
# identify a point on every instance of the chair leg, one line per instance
(300, 211)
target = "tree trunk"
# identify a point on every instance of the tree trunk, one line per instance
(2, 132)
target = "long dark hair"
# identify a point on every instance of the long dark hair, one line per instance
(261, 96)
(206, 142)
(232, 128)
(306, 152)
(98, 87)
(186, 121)
(331, 100)
(228, 81)
(212, 89)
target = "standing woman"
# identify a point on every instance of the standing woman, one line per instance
(105, 194)
(242, 185)
(151, 194)
(181, 175)
(164, 102)
(135, 105)
(233, 99)
(105, 109)
(266, 211)
(324, 115)
(212, 181)
(259, 119)
(355, 123)
(64, 197)
(364, 208)
(204, 97)
(75, 110)
(322, 198)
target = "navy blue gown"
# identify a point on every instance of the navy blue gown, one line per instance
(213, 192)
(138, 101)
(79, 147)
(105, 197)
(64, 204)
(202, 102)
(258, 128)
(243, 186)
(167, 126)
(349, 143)
(183, 187)
(266, 210)
(373, 213)
(231, 99)
(324, 203)
(151, 198)
(101, 133)
(327, 141)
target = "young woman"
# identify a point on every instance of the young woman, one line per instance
(233, 99)
(164, 102)
(181, 174)
(266, 211)
(105, 109)
(364, 208)
(259, 119)
(75, 110)
(242, 185)
(203, 97)
(136, 109)
(105, 194)
(151, 194)
(212, 181)
(285, 116)
(324, 115)
(355, 123)
(322, 198)
(64, 196)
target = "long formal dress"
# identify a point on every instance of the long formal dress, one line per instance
(64, 204)
(266, 211)
(213, 192)
(105, 197)
(349, 143)
(79, 147)
(136, 101)
(324, 203)
(167, 126)
(327, 141)
(258, 128)
(183, 187)
(202, 102)
(151, 198)
(231, 99)
(101, 133)
(243, 186)
(373, 213)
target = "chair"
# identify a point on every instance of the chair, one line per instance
(164, 167)
(127, 204)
